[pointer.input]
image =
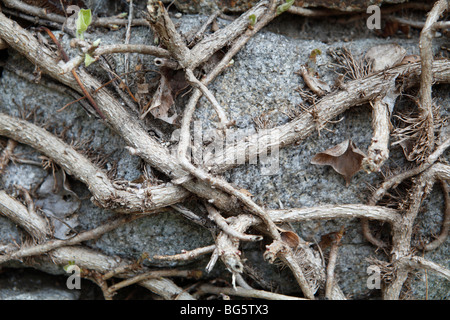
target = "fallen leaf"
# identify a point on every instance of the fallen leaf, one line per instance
(291, 238)
(345, 158)
(60, 204)
(385, 56)
(316, 85)
(392, 27)
(408, 147)
(410, 59)
(331, 238)
(172, 82)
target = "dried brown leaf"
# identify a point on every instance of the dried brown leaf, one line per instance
(345, 158)
(290, 238)
(385, 56)
(316, 85)
(172, 82)
(331, 238)
(413, 58)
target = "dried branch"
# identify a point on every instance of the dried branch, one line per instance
(50, 245)
(350, 211)
(445, 223)
(225, 227)
(61, 254)
(74, 163)
(131, 48)
(417, 262)
(394, 181)
(34, 11)
(155, 275)
(378, 151)
(163, 26)
(107, 22)
(357, 92)
(332, 263)
(426, 77)
(201, 31)
(33, 223)
(401, 234)
(227, 248)
(223, 120)
(93, 260)
(187, 255)
(6, 154)
(247, 293)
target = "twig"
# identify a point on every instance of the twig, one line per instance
(96, 21)
(154, 275)
(349, 211)
(227, 248)
(74, 73)
(127, 38)
(223, 120)
(401, 234)
(131, 48)
(305, 12)
(104, 193)
(34, 11)
(33, 223)
(378, 151)
(50, 245)
(93, 260)
(188, 214)
(247, 293)
(422, 263)
(187, 255)
(426, 78)
(6, 154)
(332, 263)
(445, 223)
(394, 182)
(225, 227)
(165, 29)
(357, 92)
(200, 33)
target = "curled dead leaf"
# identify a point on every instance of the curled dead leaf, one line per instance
(345, 158)
(316, 85)
(331, 238)
(290, 238)
(172, 82)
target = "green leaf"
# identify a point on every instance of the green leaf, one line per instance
(88, 59)
(96, 43)
(252, 18)
(284, 7)
(83, 22)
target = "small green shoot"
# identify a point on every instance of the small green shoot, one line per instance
(66, 267)
(313, 55)
(83, 22)
(88, 59)
(252, 18)
(284, 7)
